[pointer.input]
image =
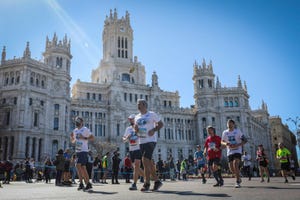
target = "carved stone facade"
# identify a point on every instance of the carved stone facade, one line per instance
(37, 110)
(35, 102)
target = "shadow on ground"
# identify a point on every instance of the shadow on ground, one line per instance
(186, 193)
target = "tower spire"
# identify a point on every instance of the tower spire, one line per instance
(239, 82)
(27, 52)
(203, 63)
(245, 86)
(3, 57)
(218, 83)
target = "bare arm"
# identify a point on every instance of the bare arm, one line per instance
(158, 126)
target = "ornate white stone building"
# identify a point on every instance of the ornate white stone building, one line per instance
(37, 111)
(35, 102)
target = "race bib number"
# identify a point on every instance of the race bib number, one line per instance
(212, 145)
(133, 140)
(143, 132)
(78, 145)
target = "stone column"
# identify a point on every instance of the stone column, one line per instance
(36, 149)
(1, 148)
(8, 147)
(30, 147)
(19, 149)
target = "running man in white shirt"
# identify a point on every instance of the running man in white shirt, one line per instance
(147, 123)
(234, 139)
(134, 151)
(80, 136)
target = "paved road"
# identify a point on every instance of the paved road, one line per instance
(191, 190)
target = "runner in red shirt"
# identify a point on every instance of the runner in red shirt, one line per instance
(213, 151)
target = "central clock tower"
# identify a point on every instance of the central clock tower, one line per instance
(118, 63)
(117, 37)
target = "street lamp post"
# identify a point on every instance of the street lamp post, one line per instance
(295, 121)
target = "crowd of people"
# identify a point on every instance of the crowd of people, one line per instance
(139, 165)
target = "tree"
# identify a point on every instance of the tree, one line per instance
(101, 147)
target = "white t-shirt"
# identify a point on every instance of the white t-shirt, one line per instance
(145, 123)
(133, 139)
(233, 137)
(81, 145)
(247, 160)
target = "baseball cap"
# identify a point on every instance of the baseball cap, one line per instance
(78, 120)
(132, 116)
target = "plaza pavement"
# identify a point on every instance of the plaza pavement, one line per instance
(175, 190)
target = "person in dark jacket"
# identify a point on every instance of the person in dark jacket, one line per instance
(8, 167)
(115, 168)
(27, 171)
(47, 170)
(60, 165)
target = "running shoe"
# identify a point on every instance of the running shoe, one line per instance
(237, 185)
(80, 187)
(88, 187)
(133, 187)
(157, 185)
(145, 187)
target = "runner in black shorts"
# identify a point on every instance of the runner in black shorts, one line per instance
(147, 123)
(134, 151)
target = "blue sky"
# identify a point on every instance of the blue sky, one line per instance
(258, 40)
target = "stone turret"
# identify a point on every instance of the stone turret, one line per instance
(154, 80)
(58, 53)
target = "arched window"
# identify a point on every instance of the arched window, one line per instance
(126, 77)
(230, 102)
(57, 61)
(226, 102)
(201, 85)
(60, 62)
(236, 102)
(54, 147)
(209, 83)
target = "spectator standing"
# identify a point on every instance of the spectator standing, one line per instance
(105, 167)
(178, 164)
(183, 169)
(171, 168)
(127, 168)
(73, 168)
(89, 165)
(8, 166)
(246, 159)
(60, 166)
(47, 170)
(115, 168)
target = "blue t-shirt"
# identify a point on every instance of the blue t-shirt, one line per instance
(199, 157)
